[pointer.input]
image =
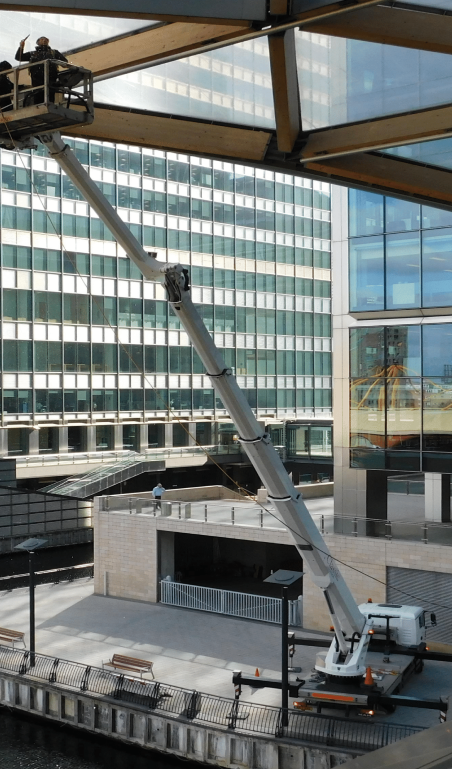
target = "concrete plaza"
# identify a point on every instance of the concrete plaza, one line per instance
(194, 650)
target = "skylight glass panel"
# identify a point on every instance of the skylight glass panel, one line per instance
(343, 81)
(231, 85)
(434, 153)
(65, 32)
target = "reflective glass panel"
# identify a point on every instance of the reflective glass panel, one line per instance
(366, 213)
(298, 440)
(403, 413)
(403, 271)
(403, 351)
(321, 441)
(367, 413)
(366, 351)
(435, 153)
(437, 349)
(231, 84)
(401, 215)
(437, 268)
(366, 274)
(437, 418)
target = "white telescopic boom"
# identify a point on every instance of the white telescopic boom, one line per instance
(345, 615)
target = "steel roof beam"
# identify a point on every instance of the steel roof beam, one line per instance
(204, 11)
(286, 97)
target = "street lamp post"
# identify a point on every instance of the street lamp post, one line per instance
(284, 578)
(30, 545)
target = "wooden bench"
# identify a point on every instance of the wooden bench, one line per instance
(133, 664)
(11, 635)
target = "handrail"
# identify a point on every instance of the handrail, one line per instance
(202, 708)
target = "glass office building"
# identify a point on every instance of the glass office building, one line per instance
(398, 332)
(93, 356)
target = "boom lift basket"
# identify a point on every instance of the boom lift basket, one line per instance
(30, 110)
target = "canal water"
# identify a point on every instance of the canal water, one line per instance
(32, 744)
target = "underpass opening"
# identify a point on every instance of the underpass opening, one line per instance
(230, 564)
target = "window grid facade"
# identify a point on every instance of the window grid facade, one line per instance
(400, 371)
(84, 337)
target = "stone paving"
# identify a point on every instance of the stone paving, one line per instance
(194, 650)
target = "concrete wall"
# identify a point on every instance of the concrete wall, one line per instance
(195, 494)
(201, 493)
(370, 556)
(125, 549)
(174, 736)
(126, 566)
(315, 490)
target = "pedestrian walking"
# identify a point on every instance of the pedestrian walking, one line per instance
(157, 492)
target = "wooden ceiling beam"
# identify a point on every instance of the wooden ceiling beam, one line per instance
(286, 96)
(151, 44)
(176, 135)
(391, 26)
(389, 175)
(378, 134)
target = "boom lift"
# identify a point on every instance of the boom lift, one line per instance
(346, 660)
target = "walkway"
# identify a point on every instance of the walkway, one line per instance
(189, 649)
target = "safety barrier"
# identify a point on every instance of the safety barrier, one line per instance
(203, 708)
(230, 602)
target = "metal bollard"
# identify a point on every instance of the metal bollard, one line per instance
(232, 515)
(205, 513)
(180, 510)
(355, 527)
(261, 519)
(322, 524)
(425, 533)
(388, 530)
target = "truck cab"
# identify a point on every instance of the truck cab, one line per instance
(406, 625)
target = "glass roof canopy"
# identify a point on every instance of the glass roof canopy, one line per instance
(343, 93)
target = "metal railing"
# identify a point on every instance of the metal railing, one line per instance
(230, 602)
(203, 708)
(250, 514)
(54, 80)
(101, 457)
(48, 577)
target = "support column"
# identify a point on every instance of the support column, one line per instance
(3, 442)
(33, 441)
(62, 440)
(143, 438)
(168, 438)
(191, 438)
(286, 95)
(91, 438)
(166, 554)
(118, 444)
(445, 498)
(433, 497)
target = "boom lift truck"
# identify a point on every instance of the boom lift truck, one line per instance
(401, 629)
